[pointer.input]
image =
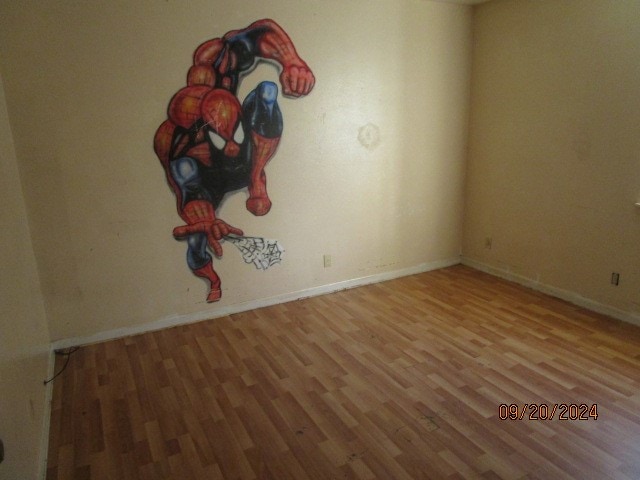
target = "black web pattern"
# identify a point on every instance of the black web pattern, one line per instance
(263, 253)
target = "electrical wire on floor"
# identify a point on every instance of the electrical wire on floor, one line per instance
(63, 353)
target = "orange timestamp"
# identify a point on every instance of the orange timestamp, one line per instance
(544, 411)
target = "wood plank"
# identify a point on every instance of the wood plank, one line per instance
(400, 380)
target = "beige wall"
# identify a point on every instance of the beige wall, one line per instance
(24, 338)
(554, 158)
(553, 169)
(87, 87)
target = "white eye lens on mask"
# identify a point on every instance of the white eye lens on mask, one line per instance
(217, 140)
(238, 137)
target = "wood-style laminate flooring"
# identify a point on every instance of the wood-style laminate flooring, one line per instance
(397, 380)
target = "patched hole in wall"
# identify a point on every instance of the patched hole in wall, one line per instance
(369, 136)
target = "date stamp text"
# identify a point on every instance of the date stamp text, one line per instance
(544, 411)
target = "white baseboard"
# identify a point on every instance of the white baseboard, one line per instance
(567, 295)
(175, 320)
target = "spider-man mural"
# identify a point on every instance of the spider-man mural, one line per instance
(212, 145)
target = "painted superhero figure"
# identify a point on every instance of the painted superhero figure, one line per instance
(211, 145)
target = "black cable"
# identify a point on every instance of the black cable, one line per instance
(62, 353)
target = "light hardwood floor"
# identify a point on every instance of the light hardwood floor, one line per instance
(398, 380)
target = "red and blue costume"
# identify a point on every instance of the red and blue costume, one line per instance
(212, 145)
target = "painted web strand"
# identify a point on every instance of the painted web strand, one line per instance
(262, 252)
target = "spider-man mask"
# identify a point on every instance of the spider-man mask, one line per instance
(221, 112)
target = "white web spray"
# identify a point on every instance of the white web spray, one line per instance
(263, 253)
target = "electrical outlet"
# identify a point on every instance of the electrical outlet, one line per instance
(327, 261)
(615, 279)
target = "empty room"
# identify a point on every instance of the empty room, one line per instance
(355, 239)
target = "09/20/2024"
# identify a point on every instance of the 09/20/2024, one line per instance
(543, 411)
